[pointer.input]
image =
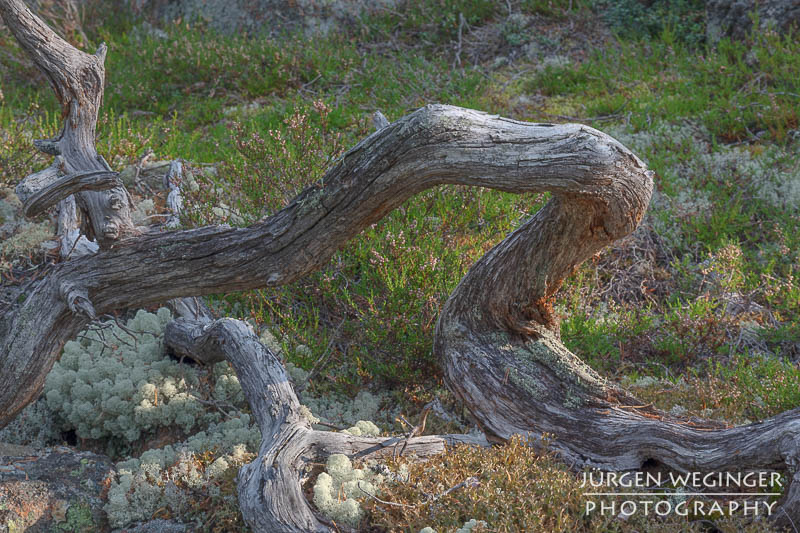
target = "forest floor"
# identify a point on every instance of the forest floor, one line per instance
(697, 312)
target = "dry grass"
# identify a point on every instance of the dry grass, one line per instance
(512, 488)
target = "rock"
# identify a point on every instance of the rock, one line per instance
(726, 18)
(262, 16)
(55, 489)
(11, 450)
(152, 173)
(157, 526)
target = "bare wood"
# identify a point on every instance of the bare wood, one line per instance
(77, 79)
(46, 188)
(496, 336)
(73, 244)
(437, 144)
(270, 487)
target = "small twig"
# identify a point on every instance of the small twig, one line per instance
(213, 404)
(416, 430)
(329, 425)
(138, 171)
(790, 519)
(318, 366)
(104, 343)
(461, 23)
(310, 83)
(469, 482)
(384, 501)
(406, 422)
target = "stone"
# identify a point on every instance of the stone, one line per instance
(53, 489)
(732, 18)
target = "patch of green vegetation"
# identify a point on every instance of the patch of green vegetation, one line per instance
(79, 519)
(429, 23)
(738, 90)
(558, 9)
(682, 20)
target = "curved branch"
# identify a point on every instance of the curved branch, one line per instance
(46, 188)
(270, 487)
(435, 145)
(77, 79)
(497, 336)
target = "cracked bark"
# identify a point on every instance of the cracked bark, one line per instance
(496, 336)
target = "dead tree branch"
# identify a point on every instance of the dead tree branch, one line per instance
(497, 336)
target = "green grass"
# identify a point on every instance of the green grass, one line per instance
(739, 90)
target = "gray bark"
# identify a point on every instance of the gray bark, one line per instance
(77, 79)
(73, 244)
(496, 337)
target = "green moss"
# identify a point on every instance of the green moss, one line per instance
(547, 352)
(79, 519)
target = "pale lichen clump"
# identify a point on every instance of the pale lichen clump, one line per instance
(169, 477)
(34, 426)
(339, 410)
(363, 428)
(116, 383)
(145, 208)
(337, 490)
(468, 527)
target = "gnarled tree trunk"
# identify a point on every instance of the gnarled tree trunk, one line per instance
(497, 338)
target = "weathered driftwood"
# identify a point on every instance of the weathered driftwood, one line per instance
(270, 488)
(497, 337)
(73, 243)
(77, 79)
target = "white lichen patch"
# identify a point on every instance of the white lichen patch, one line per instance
(118, 384)
(470, 525)
(141, 214)
(166, 478)
(337, 490)
(363, 428)
(341, 411)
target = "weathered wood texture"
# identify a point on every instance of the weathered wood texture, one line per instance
(77, 79)
(270, 488)
(73, 243)
(497, 337)
(437, 144)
